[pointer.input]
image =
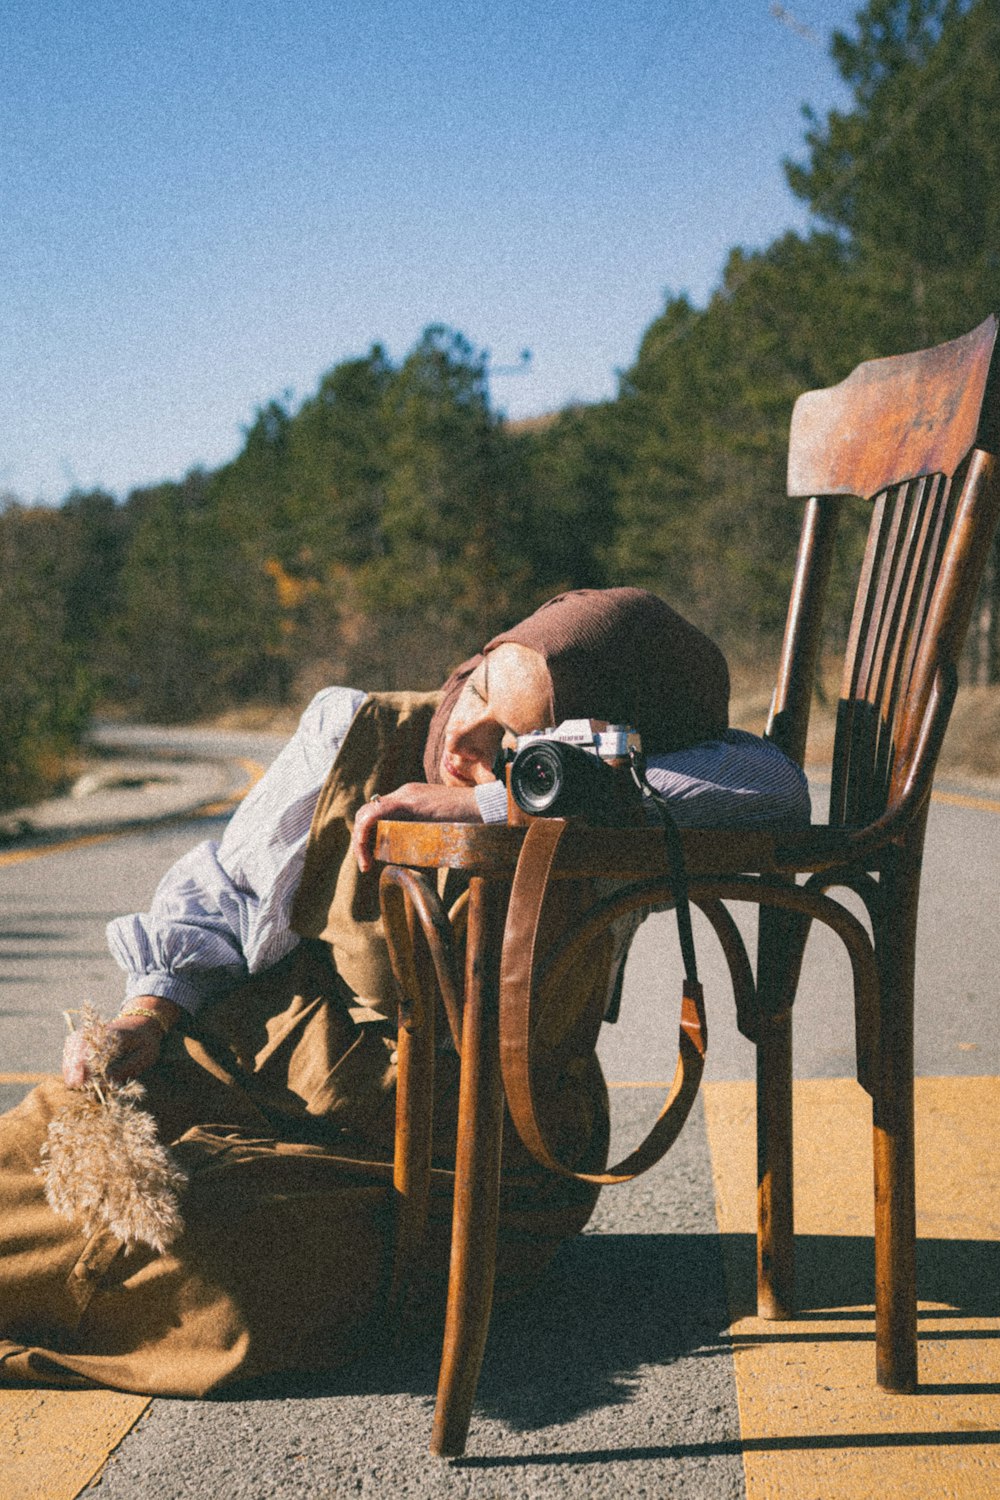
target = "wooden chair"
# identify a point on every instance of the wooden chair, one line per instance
(914, 438)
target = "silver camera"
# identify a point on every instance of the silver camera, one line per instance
(576, 770)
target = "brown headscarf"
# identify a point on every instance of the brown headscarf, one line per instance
(615, 654)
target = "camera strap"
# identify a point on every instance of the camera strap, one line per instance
(522, 964)
(678, 878)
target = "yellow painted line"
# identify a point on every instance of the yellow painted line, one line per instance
(54, 1443)
(656, 1083)
(24, 1077)
(960, 799)
(951, 799)
(253, 769)
(19, 856)
(814, 1424)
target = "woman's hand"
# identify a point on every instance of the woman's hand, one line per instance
(139, 1040)
(416, 800)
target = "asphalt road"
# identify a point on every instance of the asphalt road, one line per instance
(625, 1385)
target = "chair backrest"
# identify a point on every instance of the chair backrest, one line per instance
(916, 437)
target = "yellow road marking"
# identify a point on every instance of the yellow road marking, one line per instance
(23, 1077)
(253, 769)
(814, 1424)
(960, 799)
(656, 1083)
(18, 856)
(55, 1442)
(952, 799)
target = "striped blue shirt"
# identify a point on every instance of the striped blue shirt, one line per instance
(222, 911)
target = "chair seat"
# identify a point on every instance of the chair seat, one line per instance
(620, 853)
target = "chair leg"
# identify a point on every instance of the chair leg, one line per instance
(477, 1175)
(414, 1123)
(780, 946)
(775, 1202)
(893, 1132)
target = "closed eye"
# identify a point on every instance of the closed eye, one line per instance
(482, 694)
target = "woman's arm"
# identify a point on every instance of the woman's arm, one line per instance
(140, 1029)
(415, 800)
(737, 781)
(222, 911)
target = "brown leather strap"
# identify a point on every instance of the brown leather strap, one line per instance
(518, 983)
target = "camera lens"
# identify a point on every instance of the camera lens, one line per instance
(536, 777)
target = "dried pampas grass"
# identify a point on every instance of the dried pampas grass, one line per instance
(102, 1164)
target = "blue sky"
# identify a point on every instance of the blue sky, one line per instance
(203, 206)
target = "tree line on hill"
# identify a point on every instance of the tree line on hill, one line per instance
(393, 521)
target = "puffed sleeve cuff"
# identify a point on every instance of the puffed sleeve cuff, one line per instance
(166, 987)
(491, 799)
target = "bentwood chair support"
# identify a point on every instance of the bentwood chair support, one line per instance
(915, 438)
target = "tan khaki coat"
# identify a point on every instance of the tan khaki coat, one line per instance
(278, 1101)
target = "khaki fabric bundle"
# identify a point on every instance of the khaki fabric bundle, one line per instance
(278, 1101)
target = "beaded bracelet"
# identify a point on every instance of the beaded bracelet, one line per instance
(151, 1015)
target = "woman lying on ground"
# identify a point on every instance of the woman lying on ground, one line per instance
(259, 1014)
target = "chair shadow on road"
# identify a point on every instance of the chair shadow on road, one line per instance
(613, 1305)
(835, 1277)
(607, 1306)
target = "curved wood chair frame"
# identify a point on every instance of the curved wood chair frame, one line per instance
(916, 438)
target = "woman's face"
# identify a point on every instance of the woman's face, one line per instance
(509, 693)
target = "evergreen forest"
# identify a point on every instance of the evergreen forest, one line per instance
(389, 524)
